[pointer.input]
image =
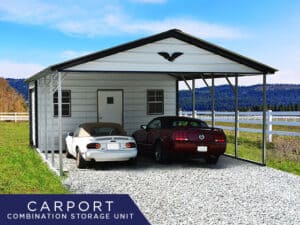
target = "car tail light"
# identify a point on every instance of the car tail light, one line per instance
(220, 139)
(94, 146)
(180, 136)
(130, 145)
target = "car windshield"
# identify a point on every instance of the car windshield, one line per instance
(187, 123)
(105, 131)
(100, 129)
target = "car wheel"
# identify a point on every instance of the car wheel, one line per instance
(80, 162)
(212, 159)
(160, 155)
(132, 161)
(68, 155)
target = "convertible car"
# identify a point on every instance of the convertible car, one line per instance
(100, 142)
(170, 136)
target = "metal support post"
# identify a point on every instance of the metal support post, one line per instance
(51, 113)
(186, 83)
(177, 99)
(236, 117)
(46, 117)
(213, 101)
(264, 119)
(230, 84)
(60, 123)
(193, 98)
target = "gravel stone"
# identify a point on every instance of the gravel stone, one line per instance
(193, 192)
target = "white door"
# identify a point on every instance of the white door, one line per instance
(110, 106)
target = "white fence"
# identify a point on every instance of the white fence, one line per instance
(14, 116)
(291, 119)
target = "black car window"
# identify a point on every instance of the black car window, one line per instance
(188, 123)
(198, 124)
(155, 124)
(180, 123)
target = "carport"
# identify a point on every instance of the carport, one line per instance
(173, 54)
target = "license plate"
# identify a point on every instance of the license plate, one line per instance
(113, 146)
(202, 148)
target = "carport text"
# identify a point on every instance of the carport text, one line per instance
(70, 210)
(71, 216)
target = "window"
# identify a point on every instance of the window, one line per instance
(66, 103)
(155, 102)
(110, 100)
(155, 124)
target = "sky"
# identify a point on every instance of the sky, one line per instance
(35, 34)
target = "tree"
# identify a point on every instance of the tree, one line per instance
(10, 100)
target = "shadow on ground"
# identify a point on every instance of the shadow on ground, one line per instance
(146, 162)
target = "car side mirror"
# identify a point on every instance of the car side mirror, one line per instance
(144, 127)
(70, 134)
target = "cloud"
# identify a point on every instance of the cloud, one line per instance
(10, 69)
(195, 27)
(102, 18)
(30, 11)
(114, 24)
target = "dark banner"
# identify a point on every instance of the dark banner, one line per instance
(69, 209)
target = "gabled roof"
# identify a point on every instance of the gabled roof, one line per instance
(174, 33)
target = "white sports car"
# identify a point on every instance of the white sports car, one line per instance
(100, 142)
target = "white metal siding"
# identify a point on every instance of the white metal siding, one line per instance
(84, 87)
(145, 58)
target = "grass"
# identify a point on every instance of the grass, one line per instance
(21, 168)
(283, 153)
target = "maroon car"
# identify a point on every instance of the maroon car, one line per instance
(170, 136)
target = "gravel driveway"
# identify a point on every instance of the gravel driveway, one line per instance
(231, 192)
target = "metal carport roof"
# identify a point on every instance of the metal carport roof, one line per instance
(174, 33)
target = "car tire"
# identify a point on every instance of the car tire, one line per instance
(138, 151)
(68, 155)
(132, 161)
(80, 162)
(212, 159)
(160, 155)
